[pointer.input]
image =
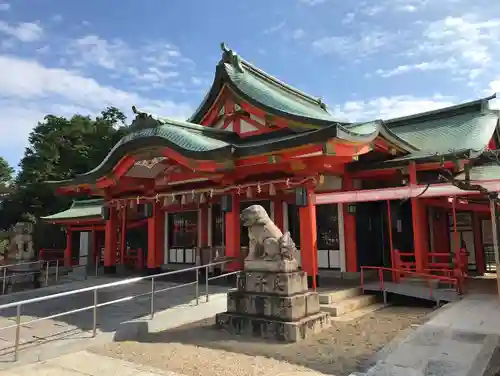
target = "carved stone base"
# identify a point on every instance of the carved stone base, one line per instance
(273, 283)
(273, 329)
(284, 308)
(283, 266)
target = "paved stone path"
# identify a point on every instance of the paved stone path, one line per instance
(61, 332)
(86, 364)
(458, 341)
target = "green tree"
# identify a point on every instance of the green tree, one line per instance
(60, 148)
(6, 173)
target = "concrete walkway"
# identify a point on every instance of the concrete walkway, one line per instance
(458, 341)
(85, 364)
(54, 337)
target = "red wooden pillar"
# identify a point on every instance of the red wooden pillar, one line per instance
(203, 226)
(478, 243)
(419, 231)
(308, 239)
(67, 250)
(351, 252)
(232, 233)
(278, 213)
(156, 238)
(110, 241)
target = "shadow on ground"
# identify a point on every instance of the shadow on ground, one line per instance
(344, 348)
(108, 317)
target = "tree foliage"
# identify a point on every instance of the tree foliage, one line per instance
(59, 148)
(6, 174)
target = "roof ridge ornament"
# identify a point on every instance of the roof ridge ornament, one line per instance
(231, 57)
(143, 120)
(321, 103)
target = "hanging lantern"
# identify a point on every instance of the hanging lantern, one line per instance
(259, 188)
(137, 200)
(211, 193)
(183, 200)
(272, 190)
(193, 196)
(249, 192)
(202, 198)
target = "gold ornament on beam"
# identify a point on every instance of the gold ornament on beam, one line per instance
(321, 179)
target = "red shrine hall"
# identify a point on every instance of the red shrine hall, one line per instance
(396, 193)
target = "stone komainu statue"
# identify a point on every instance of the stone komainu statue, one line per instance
(21, 242)
(267, 242)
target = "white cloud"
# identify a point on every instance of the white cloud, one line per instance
(312, 2)
(57, 18)
(4, 6)
(44, 90)
(464, 37)
(298, 34)
(366, 44)
(92, 49)
(389, 107)
(152, 63)
(422, 67)
(348, 18)
(24, 31)
(372, 10)
(273, 29)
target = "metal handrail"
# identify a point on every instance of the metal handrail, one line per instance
(96, 304)
(22, 263)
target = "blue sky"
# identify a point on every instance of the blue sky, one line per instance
(366, 59)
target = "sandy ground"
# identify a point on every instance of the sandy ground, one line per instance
(198, 349)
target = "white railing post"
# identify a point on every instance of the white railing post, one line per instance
(152, 298)
(94, 315)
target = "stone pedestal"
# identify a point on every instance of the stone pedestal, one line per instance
(273, 305)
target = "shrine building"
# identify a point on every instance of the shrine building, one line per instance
(351, 194)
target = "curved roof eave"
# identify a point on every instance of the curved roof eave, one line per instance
(129, 146)
(315, 136)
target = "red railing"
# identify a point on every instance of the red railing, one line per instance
(51, 254)
(456, 282)
(447, 263)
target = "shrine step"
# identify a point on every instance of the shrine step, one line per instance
(329, 297)
(342, 307)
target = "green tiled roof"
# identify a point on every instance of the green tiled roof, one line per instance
(455, 134)
(275, 96)
(78, 210)
(489, 171)
(265, 91)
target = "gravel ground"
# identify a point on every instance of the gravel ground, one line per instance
(199, 350)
